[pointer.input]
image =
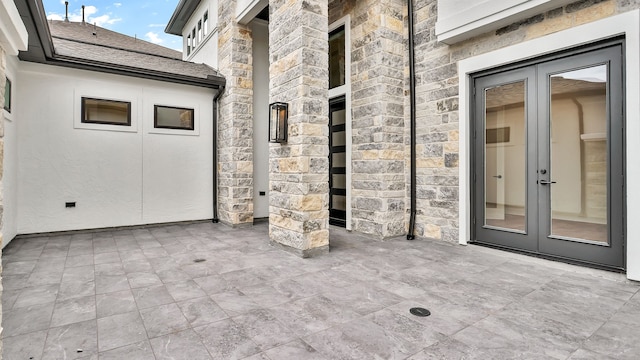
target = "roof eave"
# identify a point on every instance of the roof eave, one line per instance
(180, 16)
(211, 81)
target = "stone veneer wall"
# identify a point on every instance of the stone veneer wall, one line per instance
(378, 114)
(437, 99)
(3, 66)
(235, 120)
(298, 170)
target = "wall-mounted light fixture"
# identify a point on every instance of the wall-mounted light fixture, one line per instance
(278, 122)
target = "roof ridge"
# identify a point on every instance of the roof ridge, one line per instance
(116, 47)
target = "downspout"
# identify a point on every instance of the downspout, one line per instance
(412, 100)
(214, 128)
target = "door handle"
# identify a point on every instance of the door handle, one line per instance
(497, 176)
(545, 182)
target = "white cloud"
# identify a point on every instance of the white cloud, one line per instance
(157, 25)
(103, 20)
(89, 11)
(117, 4)
(153, 37)
(55, 17)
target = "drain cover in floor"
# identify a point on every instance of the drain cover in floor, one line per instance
(418, 311)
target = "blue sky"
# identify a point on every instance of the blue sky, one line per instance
(145, 19)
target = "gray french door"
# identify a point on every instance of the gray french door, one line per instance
(548, 157)
(337, 162)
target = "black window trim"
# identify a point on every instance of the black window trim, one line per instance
(86, 121)
(10, 88)
(155, 118)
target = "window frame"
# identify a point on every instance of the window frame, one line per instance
(199, 30)
(189, 44)
(205, 23)
(193, 37)
(8, 92)
(155, 118)
(83, 120)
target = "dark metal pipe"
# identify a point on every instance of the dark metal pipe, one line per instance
(412, 99)
(66, 11)
(214, 128)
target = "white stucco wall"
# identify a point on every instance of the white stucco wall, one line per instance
(206, 51)
(10, 162)
(260, 31)
(116, 175)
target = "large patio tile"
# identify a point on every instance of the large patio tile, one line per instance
(27, 346)
(119, 330)
(114, 303)
(37, 295)
(226, 339)
(235, 302)
(310, 315)
(111, 283)
(137, 351)
(202, 311)
(183, 345)
(74, 310)
(296, 349)
(163, 319)
(27, 319)
(151, 296)
(74, 341)
(184, 290)
(264, 329)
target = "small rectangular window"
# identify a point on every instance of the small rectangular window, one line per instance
(167, 117)
(188, 44)
(199, 30)
(7, 95)
(109, 112)
(337, 56)
(193, 36)
(205, 20)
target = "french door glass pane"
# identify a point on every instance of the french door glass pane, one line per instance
(505, 157)
(578, 120)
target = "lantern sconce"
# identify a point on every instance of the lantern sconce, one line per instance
(278, 122)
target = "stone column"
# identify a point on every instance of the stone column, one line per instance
(378, 140)
(298, 170)
(235, 123)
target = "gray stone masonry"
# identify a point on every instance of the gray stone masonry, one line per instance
(437, 99)
(378, 115)
(235, 123)
(298, 170)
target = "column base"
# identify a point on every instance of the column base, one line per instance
(308, 253)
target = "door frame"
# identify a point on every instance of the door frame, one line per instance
(345, 90)
(625, 24)
(538, 238)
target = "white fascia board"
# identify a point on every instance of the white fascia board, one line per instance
(13, 33)
(487, 16)
(246, 10)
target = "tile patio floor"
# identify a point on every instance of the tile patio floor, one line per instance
(138, 294)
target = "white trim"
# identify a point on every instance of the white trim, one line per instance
(346, 91)
(245, 14)
(106, 95)
(627, 24)
(13, 33)
(479, 17)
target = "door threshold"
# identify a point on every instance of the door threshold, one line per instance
(550, 257)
